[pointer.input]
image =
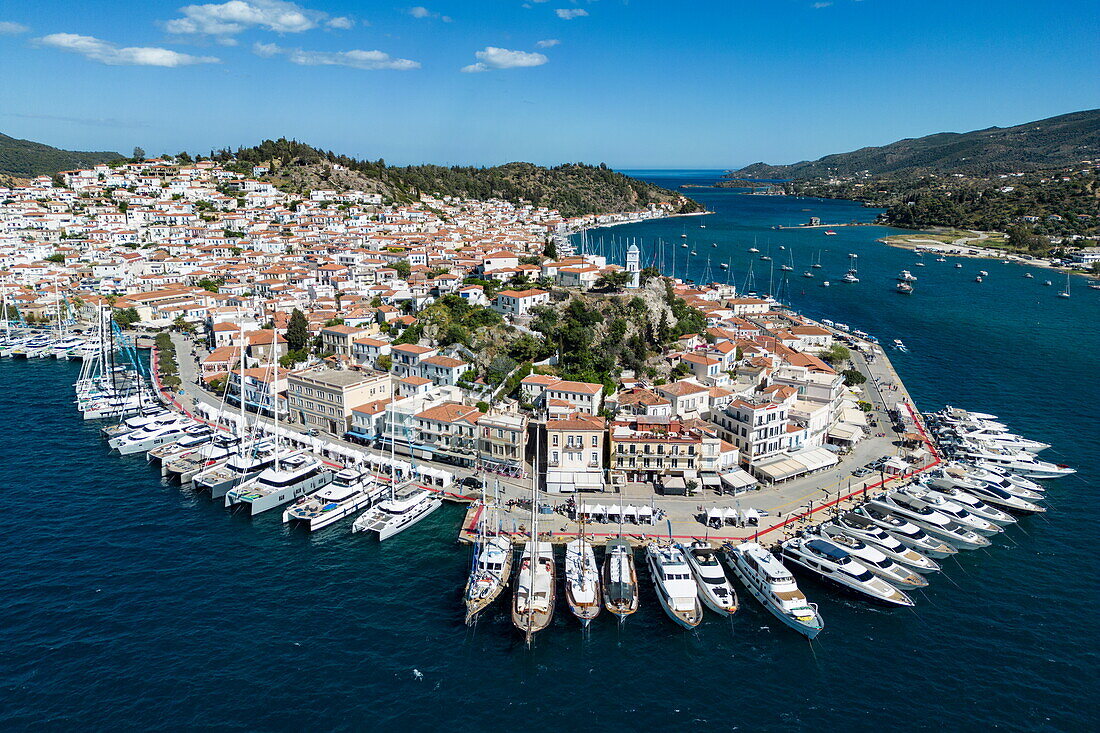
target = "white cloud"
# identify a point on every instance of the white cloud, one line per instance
(341, 23)
(9, 28)
(820, 5)
(281, 16)
(421, 12)
(501, 58)
(548, 43)
(570, 13)
(356, 59)
(110, 54)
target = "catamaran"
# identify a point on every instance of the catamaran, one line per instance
(287, 479)
(351, 490)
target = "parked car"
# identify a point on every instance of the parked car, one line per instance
(473, 483)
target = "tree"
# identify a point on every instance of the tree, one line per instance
(297, 331)
(551, 249)
(648, 273)
(853, 377)
(139, 154)
(837, 354)
(613, 280)
(385, 362)
(483, 406)
(56, 257)
(210, 285)
(404, 269)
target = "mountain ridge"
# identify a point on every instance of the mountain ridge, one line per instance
(27, 159)
(1053, 142)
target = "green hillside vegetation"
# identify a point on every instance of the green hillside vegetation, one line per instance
(1055, 142)
(27, 159)
(574, 189)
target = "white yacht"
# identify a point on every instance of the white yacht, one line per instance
(831, 562)
(930, 520)
(1009, 481)
(715, 590)
(874, 559)
(620, 578)
(150, 437)
(998, 437)
(770, 583)
(582, 580)
(951, 509)
(1016, 461)
(350, 491)
(864, 529)
(676, 589)
(245, 464)
(973, 504)
(406, 506)
(907, 533)
(295, 475)
(535, 591)
(907, 277)
(131, 424)
(193, 437)
(490, 572)
(987, 492)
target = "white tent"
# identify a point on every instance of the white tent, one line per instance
(752, 516)
(645, 514)
(714, 514)
(730, 515)
(630, 513)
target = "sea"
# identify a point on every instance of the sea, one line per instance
(131, 604)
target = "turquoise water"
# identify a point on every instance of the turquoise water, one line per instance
(132, 604)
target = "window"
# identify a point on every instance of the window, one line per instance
(595, 440)
(554, 441)
(595, 457)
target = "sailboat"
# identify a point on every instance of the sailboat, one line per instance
(582, 579)
(850, 276)
(790, 263)
(536, 581)
(817, 263)
(490, 570)
(1065, 293)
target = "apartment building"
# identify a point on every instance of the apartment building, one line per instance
(323, 399)
(652, 448)
(562, 397)
(503, 441)
(574, 453)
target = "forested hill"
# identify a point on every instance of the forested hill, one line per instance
(27, 159)
(573, 189)
(1055, 142)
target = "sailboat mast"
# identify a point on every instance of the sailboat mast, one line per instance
(534, 542)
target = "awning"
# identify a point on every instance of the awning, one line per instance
(710, 478)
(846, 432)
(738, 479)
(779, 470)
(815, 459)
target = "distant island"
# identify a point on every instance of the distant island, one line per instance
(28, 159)
(1037, 181)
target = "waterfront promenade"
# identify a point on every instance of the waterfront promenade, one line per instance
(783, 508)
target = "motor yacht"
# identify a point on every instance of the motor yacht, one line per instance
(676, 589)
(289, 478)
(150, 437)
(998, 437)
(350, 491)
(833, 563)
(907, 533)
(1016, 461)
(248, 462)
(875, 560)
(906, 276)
(958, 512)
(973, 504)
(864, 529)
(489, 575)
(715, 590)
(582, 580)
(193, 438)
(535, 590)
(987, 492)
(773, 586)
(620, 578)
(930, 520)
(131, 424)
(1009, 481)
(406, 506)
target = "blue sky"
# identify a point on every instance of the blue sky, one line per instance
(633, 83)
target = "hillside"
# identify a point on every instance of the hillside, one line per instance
(27, 159)
(1055, 142)
(573, 188)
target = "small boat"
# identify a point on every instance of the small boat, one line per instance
(765, 257)
(715, 244)
(983, 273)
(1028, 275)
(906, 276)
(694, 253)
(714, 588)
(1047, 282)
(684, 245)
(807, 274)
(958, 265)
(825, 284)
(1065, 293)
(849, 277)
(724, 266)
(905, 288)
(676, 589)
(830, 233)
(620, 578)
(978, 279)
(773, 586)
(941, 259)
(754, 250)
(1094, 286)
(920, 264)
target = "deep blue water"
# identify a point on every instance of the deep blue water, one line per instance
(132, 604)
